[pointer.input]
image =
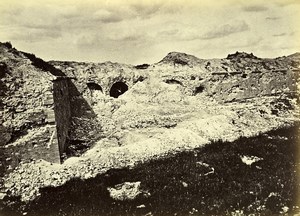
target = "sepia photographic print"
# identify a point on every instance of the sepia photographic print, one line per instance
(149, 108)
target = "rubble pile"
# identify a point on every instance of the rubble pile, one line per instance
(178, 104)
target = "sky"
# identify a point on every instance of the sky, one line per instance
(137, 32)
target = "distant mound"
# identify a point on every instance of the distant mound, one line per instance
(177, 58)
(295, 56)
(238, 55)
(293, 60)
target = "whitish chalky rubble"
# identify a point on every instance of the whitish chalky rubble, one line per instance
(125, 191)
(28, 178)
(249, 160)
(178, 104)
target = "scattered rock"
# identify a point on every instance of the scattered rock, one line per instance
(248, 160)
(207, 166)
(184, 184)
(125, 191)
(285, 209)
(2, 195)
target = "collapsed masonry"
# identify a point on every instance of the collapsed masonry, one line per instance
(34, 108)
(45, 107)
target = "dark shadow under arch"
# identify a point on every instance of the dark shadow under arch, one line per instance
(94, 86)
(118, 89)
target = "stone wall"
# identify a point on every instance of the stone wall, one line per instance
(27, 118)
(42, 144)
(226, 87)
(102, 74)
(239, 77)
(84, 125)
(62, 111)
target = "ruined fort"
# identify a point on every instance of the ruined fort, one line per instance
(48, 108)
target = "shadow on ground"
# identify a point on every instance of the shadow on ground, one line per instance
(183, 184)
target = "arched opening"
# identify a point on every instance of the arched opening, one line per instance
(118, 89)
(95, 89)
(94, 86)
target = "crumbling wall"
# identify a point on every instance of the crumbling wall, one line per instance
(226, 87)
(27, 118)
(238, 77)
(84, 125)
(102, 74)
(40, 143)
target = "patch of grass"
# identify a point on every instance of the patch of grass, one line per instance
(185, 184)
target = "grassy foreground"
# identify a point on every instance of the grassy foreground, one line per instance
(183, 185)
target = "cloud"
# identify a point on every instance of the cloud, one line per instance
(67, 18)
(248, 42)
(88, 40)
(189, 35)
(255, 8)
(143, 11)
(273, 18)
(140, 30)
(117, 39)
(287, 2)
(279, 35)
(225, 30)
(111, 19)
(170, 32)
(173, 31)
(146, 10)
(107, 16)
(34, 35)
(128, 38)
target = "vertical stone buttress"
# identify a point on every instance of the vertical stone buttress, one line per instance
(62, 111)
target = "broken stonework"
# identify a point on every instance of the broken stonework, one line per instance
(48, 107)
(28, 124)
